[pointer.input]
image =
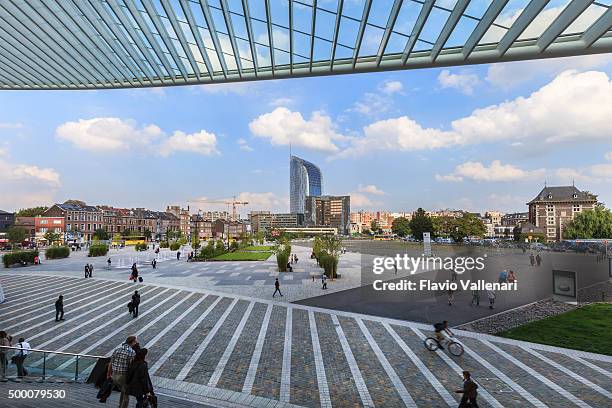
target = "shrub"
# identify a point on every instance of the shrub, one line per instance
(57, 252)
(175, 246)
(141, 247)
(98, 250)
(164, 244)
(282, 257)
(19, 256)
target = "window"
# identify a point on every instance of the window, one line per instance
(44, 221)
(576, 208)
(43, 230)
(68, 227)
(575, 195)
(57, 222)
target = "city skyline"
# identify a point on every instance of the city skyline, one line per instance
(440, 138)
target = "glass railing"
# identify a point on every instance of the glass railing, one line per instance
(43, 365)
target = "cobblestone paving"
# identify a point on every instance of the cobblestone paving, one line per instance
(263, 353)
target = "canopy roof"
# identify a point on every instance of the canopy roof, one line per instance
(77, 44)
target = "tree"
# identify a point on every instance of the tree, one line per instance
(259, 237)
(590, 224)
(401, 227)
(420, 223)
(100, 234)
(52, 237)
(16, 235)
(442, 226)
(31, 212)
(126, 232)
(467, 225)
(147, 234)
(374, 227)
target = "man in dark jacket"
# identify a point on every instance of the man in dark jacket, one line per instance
(135, 303)
(59, 308)
(138, 380)
(469, 392)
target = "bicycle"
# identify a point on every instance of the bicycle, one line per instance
(455, 348)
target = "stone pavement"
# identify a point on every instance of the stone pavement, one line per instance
(247, 278)
(257, 353)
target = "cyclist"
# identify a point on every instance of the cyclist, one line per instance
(439, 329)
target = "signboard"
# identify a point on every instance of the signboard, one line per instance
(564, 283)
(427, 244)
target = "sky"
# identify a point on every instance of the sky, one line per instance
(479, 138)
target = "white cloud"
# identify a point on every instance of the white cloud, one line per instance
(238, 88)
(11, 125)
(549, 115)
(359, 200)
(496, 171)
(464, 82)
(596, 173)
(200, 142)
(283, 126)
(608, 156)
(391, 87)
(244, 145)
(281, 102)
(119, 135)
(107, 134)
(26, 185)
(370, 189)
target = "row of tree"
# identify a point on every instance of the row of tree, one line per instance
(455, 228)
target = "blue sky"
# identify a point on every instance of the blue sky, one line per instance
(480, 137)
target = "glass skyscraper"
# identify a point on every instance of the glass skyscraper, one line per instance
(305, 179)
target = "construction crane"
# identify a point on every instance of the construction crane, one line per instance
(233, 203)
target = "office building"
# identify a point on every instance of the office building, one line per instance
(305, 180)
(328, 211)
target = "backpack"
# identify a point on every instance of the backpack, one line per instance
(130, 307)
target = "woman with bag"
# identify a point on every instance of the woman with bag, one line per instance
(139, 382)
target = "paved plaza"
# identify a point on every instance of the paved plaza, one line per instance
(256, 352)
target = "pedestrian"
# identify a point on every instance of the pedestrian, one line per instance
(511, 277)
(475, 298)
(503, 277)
(469, 391)
(154, 263)
(138, 380)
(323, 281)
(134, 275)
(296, 259)
(117, 370)
(6, 342)
(395, 266)
(451, 295)
(491, 297)
(178, 255)
(59, 308)
(86, 271)
(532, 259)
(108, 262)
(20, 356)
(538, 259)
(277, 288)
(135, 303)
(91, 270)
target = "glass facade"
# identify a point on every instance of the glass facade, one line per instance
(305, 179)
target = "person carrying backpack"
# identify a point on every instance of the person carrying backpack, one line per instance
(469, 392)
(135, 302)
(20, 356)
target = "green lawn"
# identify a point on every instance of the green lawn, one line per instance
(243, 256)
(257, 248)
(588, 328)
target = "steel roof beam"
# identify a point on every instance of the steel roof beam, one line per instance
(483, 26)
(336, 33)
(213, 35)
(418, 27)
(24, 76)
(563, 20)
(362, 27)
(312, 32)
(161, 30)
(197, 37)
(290, 35)
(448, 28)
(181, 37)
(598, 29)
(104, 31)
(522, 22)
(230, 30)
(271, 34)
(249, 28)
(395, 9)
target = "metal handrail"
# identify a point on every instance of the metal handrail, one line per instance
(45, 352)
(51, 352)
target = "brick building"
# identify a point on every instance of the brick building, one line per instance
(554, 207)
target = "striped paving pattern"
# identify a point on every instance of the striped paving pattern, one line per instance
(258, 353)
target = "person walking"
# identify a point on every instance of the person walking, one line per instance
(20, 356)
(134, 275)
(451, 296)
(511, 277)
(138, 379)
(4, 342)
(117, 370)
(296, 258)
(277, 288)
(86, 271)
(475, 298)
(154, 263)
(108, 262)
(91, 270)
(135, 303)
(469, 391)
(59, 308)
(491, 297)
(178, 255)
(538, 259)
(323, 281)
